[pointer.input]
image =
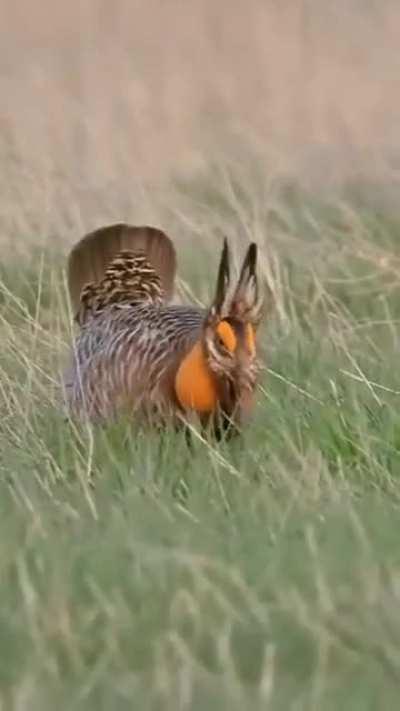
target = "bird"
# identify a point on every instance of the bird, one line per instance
(137, 353)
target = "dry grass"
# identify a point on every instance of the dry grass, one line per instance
(101, 102)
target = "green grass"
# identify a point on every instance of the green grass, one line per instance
(263, 573)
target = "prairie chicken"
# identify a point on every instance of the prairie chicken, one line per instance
(135, 352)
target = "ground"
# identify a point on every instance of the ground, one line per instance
(263, 573)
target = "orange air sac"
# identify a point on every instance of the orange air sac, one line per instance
(194, 385)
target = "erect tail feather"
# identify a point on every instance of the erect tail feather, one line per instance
(93, 254)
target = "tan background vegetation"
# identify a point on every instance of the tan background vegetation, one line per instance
(101, 98)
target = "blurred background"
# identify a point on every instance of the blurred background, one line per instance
(105, 101)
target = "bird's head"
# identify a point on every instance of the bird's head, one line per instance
(218, 377)
(229, 336)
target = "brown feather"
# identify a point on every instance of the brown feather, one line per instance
(246, 303)
(91, 256)
(129, 278)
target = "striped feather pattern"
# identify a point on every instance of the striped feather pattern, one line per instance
(126, 356)
(130, 278)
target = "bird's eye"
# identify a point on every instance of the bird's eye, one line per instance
(220, 343)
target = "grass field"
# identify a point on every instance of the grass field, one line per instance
(260, 574)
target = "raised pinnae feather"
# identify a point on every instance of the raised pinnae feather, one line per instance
(246, 303)
(222, 287)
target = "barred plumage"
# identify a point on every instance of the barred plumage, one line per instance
(123, 354)
(136, 353)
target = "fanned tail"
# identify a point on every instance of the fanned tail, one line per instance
(120, 263)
